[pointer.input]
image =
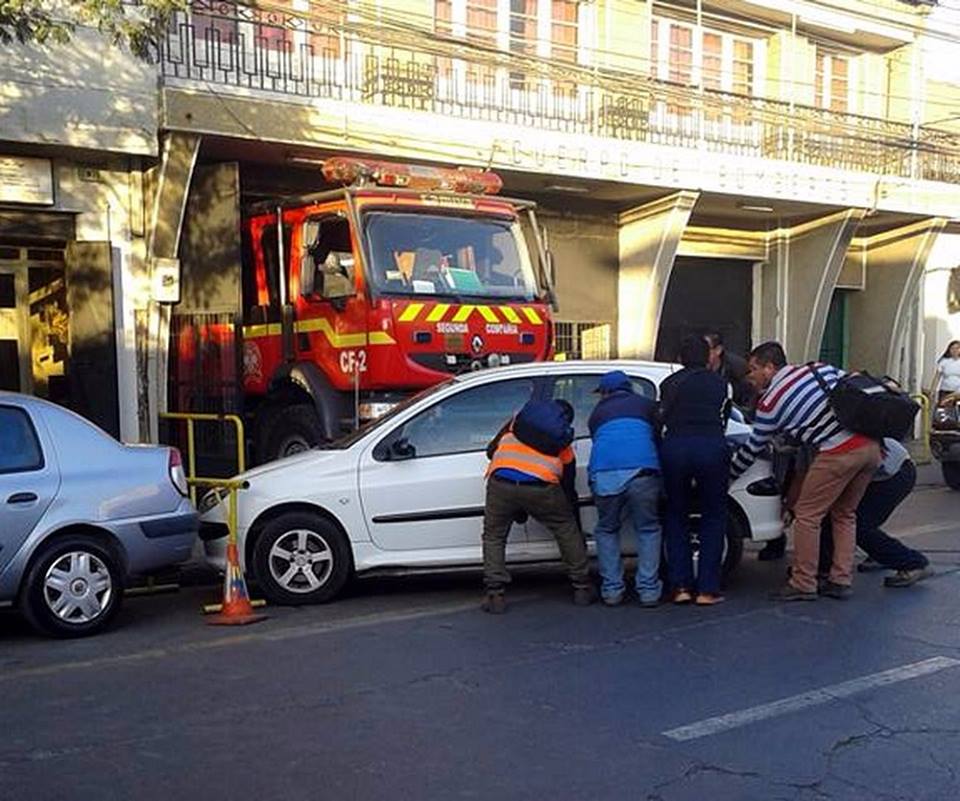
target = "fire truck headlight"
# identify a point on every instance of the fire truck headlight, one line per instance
(373, 410)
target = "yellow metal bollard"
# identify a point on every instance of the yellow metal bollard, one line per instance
(926, 421)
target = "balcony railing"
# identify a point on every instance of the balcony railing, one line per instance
(225, 44)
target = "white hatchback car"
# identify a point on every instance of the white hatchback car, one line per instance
(406, 493)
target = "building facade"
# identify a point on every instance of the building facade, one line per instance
(761, 171)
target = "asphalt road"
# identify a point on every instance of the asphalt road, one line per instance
(406, 690)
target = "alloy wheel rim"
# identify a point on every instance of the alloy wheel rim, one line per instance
(77, 587)
(301, 561)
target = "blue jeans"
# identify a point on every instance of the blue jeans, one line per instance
(639, 503)
(706, 461)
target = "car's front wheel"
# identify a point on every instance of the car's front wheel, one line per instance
(951, 474)
(73, 588)
(301, 558)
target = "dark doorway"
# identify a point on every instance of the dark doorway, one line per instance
(714, 294)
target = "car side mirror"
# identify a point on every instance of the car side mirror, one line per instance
(308, 275)
(401, 450)
(764, 488)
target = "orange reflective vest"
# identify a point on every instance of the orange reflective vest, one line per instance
(512, 454)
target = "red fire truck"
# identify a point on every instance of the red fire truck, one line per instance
(391, 283)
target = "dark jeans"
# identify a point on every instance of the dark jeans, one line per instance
(706, 461)
(545, 503)
(878, 503)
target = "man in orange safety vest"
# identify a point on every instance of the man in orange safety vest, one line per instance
(531, 473)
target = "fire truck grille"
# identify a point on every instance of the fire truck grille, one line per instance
(457, 363)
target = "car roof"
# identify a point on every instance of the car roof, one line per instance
(658, 370)
(26, 401)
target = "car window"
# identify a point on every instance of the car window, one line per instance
(466, 421)
(578, 391)
(19, 446)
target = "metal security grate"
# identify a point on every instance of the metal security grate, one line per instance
(579, 340)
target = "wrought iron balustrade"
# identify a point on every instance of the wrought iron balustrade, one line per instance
(226, 44)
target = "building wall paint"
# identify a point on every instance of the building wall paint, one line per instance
(83, 95)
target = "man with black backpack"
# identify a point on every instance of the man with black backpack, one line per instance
(532, 470)
(797, 400)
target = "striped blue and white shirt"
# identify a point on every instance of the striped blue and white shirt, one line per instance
(795, 404)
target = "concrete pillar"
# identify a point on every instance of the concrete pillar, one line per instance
(880, 315)
(649, 236)
(799, 278)
(170, 184)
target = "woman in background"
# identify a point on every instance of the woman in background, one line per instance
(947, 376)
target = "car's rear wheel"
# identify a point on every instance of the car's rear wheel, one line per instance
(951, 474)
(73, 588)
(301, 558)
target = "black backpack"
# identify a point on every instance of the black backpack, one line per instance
(870, 406)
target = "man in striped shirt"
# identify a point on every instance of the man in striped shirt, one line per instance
(794, 403)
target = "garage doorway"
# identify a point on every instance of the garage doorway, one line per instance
(714, 294)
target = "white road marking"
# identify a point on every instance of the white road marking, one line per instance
(733, 720)
(929, 528)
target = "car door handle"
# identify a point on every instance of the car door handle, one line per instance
(22, 497)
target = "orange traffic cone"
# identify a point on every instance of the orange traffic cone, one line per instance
(237, 609)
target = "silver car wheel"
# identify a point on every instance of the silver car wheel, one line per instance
(77, 587)
(301, 561)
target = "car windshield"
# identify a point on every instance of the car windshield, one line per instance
(435, 254)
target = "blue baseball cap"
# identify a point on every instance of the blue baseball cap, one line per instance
(614, 381)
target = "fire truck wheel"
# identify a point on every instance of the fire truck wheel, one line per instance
(288, 430)
(301, 558)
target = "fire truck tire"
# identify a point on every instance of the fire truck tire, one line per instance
(287, 430)
(300, 558)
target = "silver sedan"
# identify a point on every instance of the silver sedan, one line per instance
(80, 514)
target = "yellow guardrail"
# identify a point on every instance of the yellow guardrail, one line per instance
(926, 422)
(190, 418)
(233, 486)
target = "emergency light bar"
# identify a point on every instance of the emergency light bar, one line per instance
(349, 171)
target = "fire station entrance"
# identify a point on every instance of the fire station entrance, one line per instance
(707, 294)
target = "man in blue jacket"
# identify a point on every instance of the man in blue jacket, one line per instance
(624, 475)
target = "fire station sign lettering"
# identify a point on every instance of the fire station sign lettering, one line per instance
(26, 180)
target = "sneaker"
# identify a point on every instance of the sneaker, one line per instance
(907, 578)
(790, 593)
(650, 603)
(494, 603)
(682, 596)
(613, 600)
(839, 592)
(708, 599)
(584, 596)
(773, 550)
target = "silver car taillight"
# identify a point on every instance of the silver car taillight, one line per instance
(177, 477)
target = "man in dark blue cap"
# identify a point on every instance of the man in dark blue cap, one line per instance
(624, 475)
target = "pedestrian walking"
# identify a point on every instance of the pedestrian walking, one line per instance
(892, 483)
(693, 410)
(733, 369)
(532, 471)
(793, 402)
(624, 473)
(947, 376)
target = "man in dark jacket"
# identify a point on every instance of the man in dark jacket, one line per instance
(531, 464)
(732, 369)
(625, 478)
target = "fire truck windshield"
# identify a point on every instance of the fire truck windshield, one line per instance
(436, 254)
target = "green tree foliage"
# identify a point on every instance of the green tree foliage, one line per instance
(135, 25)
